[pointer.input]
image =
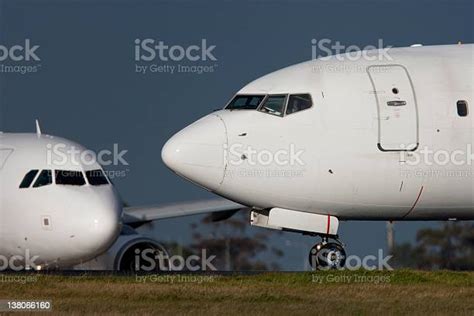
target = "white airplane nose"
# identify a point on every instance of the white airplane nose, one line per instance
(197, 152)
(106, 227)
(98, 227)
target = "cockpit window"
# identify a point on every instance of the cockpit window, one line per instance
(96, 177)
(298, 102)
(44, 178)
(274, 104)
(29, 177)
(245, 102)
(66, 177)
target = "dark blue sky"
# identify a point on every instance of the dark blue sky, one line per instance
(86, 89)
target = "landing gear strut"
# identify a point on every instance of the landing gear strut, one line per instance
(327, 255)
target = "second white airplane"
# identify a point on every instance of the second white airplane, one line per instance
(58, 211)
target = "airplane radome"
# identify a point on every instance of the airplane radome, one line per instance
(66, 213)
(338, 139)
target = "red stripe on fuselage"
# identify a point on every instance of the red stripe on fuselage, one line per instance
(329, 224)
(414, 204)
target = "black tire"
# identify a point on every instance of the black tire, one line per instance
(328, 256)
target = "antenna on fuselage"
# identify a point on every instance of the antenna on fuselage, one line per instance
(38, 128)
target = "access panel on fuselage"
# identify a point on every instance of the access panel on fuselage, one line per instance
(396, 106)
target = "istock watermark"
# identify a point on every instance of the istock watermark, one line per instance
(151, 260)
(153, 56)
(238, 154)
(19, 58)
(19, 262)
(63, 154)
(325, 259)
(26, 52)
(324, 48)
(150, 49)
(245, 161)
(427, 156)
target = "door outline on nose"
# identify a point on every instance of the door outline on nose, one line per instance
(225, 148)
(378, 84)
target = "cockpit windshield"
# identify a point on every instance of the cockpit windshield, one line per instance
(274, 104)
(66, 177)
(44, 178)
(28, 179)
(298, 102)
(63, 177)
(96, 177)
(245, 102)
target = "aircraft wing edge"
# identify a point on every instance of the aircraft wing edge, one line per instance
(138, 215)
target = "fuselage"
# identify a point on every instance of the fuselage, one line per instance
(383, 139)
(53, 205)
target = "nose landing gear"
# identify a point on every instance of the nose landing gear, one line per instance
(327, 255)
